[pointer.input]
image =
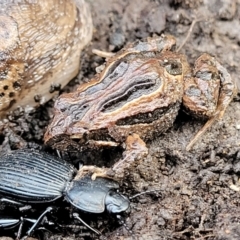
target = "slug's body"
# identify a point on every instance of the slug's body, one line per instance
(40, 46)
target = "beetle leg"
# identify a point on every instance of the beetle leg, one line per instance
(20, 229)
(9, 223)
(29, 232)
(123, 223)
(76, 215)
(21, 208)
(6, 200)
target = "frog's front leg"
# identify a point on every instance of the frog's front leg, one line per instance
(135, 150)
(208, 93)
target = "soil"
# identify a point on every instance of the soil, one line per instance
(197, 192)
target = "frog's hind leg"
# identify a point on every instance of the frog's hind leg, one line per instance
(200, 133)
(135, 150)
(228, 90)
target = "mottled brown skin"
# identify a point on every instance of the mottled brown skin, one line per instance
(135, 150)
(40, 45)
(139, 92)
(208, 92)
(131, 95)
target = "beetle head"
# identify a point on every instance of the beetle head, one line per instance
(116, 202)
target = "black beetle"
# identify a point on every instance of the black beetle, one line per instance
(30, 176)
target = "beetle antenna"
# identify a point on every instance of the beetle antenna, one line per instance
(145, 192)
(76, 215)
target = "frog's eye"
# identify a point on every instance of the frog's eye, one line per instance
(173, 67)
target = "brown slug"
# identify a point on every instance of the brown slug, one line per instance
(40, 47)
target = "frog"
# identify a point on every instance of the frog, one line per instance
(136, 97)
